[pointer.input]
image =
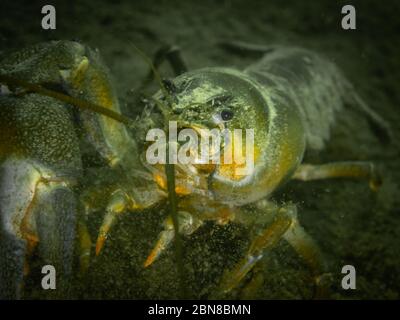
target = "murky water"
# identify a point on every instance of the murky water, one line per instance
(351, 224)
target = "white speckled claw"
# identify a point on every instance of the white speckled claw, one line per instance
(34, 205)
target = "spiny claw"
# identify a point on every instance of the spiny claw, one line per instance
(163, 242)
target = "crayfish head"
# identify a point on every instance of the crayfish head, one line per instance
(219, 124)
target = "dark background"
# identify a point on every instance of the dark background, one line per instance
(350, 223)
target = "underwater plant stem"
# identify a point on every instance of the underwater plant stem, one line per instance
(173, 202)
(83, 104)
(170, 175)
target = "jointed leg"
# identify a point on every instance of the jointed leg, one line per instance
(92, 201)
(307, 249)
(250, 290)
(285, 225)
(113, 199)
(118, 203)
(263, 242)
(349, 169)
(187, 225)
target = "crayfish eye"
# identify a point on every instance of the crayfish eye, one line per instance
(226, 114)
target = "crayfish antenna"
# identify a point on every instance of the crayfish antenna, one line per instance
(165, 109)
(379, 125)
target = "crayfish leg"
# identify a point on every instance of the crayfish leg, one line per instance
(308, 250)
(187, 225)
(284, 226)
(264, 241)
(345, 169)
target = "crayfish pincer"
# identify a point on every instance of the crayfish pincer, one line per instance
(40, 154)
(287, 102)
